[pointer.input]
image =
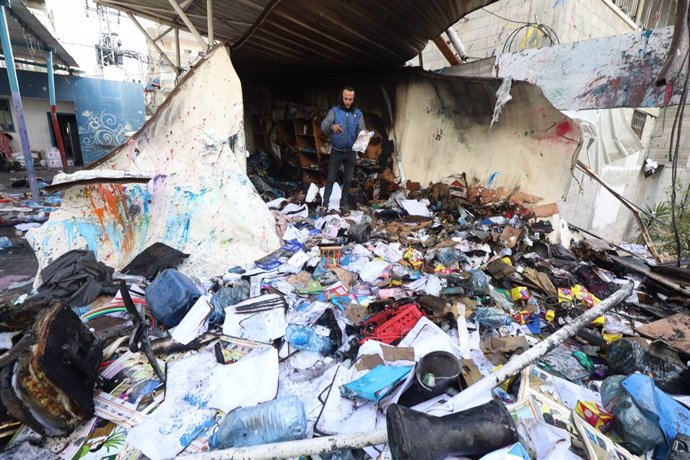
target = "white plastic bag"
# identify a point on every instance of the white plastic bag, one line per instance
(362, 141)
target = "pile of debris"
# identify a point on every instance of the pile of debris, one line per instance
(444, 321)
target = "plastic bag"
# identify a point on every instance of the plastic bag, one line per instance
(362, 141)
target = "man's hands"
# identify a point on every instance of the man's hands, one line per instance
(337, 129)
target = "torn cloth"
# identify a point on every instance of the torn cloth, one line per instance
(76, 277)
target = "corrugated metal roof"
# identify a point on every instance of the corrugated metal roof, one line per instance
(281, 38)
(29, 37)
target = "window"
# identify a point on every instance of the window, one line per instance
(6, 122)
(638, 120)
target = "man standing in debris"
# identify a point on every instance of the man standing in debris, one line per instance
(343, 123)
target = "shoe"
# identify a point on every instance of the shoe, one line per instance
(320, 211)
(344, 211)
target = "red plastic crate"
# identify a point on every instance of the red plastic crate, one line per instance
(392, 324)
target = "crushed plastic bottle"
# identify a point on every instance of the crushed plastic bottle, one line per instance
(282, 419)
(638, 429)
(323, 337)
(500, 300)
(309, 338)
(5, 242)
(478, 283)
(491, 318)
(448, 256)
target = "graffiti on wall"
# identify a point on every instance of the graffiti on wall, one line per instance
(106, 111)
(105, 129)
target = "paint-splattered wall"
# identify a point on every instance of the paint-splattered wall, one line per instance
(105, 109)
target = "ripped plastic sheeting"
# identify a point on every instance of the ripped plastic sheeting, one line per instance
(200, 200)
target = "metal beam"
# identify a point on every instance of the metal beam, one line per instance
(178, 9)
(17, 100)
(152, 42)
(53, 108)
(209, 18)
(130, 8)
(457, 43)
(177, 48)
(163, 34)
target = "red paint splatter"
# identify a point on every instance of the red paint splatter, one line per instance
(563, 128)
(108, 203)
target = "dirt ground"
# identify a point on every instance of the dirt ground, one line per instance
(18, 264)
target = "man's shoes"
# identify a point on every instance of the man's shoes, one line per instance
(344, 211)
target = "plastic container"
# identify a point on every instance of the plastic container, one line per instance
(282, 419)
(310, 338)
(491, 318)
(5, 242)
(638, 429)
(170, 296)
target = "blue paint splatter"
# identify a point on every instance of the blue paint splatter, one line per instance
(89, 231)
(492, 177)
(187, 438)
(182, 209)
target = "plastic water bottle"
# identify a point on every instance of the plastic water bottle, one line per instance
(310, 338)
(639, 430)
(282, 419)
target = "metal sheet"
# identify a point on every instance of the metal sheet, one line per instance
(308, 37)
(444, 127)
(200, 201)
(619, 71)
(30, 38)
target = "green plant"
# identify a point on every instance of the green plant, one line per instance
(658, 220)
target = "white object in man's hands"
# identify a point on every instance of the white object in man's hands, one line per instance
(362, 141)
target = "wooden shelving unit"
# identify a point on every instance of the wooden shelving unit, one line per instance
(307, 148)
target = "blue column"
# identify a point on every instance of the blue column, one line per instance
(17, 99)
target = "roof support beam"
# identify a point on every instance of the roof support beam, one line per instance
(152, 42)
(177, 48)
(163, 34)
(209, 18)
(180, 12)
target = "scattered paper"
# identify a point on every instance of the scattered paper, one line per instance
(248, 382)
(415, 208)
(261, 319)
(194, 322)
(184, 413)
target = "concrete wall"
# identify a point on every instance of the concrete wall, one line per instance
(37, 124)
(484, 34)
